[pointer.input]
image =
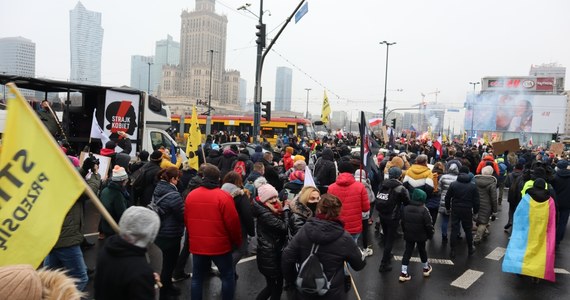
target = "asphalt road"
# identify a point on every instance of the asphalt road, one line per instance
(476, 277)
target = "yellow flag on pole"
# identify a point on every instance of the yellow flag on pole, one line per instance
(194, 140)
(38, 186)
(326, 109)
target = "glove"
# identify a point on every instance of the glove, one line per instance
(88, 164)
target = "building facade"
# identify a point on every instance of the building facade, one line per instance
(242, 94)
(283, 84)
(167, 52)
(18, 56)
(203, 37)
(141, 69)
(86, 43)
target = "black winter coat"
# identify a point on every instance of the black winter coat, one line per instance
(243, 208)
(143, 187)
(123, 272)
(226, 162)
(271, 236)
(462, 194)
(172, 221)
(325, 169)
(561, 185)
(271, 175)
(300, 213)
(397, 194)
(416, 222)
(214, 157)
(335, 248)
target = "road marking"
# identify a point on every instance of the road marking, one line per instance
(496, 254)
(91, 234)
(560, 271)
(430, 260)
(247, 259)
(467, 279)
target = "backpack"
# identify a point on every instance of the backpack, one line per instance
(502, 170)
(385, 201)
(240, 168)
(153, 205)
(311, 278)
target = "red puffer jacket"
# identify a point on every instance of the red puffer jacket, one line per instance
(354, 200)
(212, 221)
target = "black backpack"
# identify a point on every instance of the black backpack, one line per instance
(311, 278)
(385, 201)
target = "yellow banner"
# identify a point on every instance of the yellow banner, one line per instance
(194, 140)
(326, 109)
(38, 186)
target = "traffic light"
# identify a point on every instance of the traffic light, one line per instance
(260, 35)
(394, 123)
(267, 110)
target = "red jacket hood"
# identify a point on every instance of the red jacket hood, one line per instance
(345, 179)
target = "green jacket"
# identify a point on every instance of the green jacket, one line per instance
(115, 203)
(49, 121)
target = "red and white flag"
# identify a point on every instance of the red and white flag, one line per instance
(530, 142)
(375, 121)
(437, 145)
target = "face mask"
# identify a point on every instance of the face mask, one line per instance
(312, 206)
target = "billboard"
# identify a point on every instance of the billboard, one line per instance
(524, 83)
(500, 111)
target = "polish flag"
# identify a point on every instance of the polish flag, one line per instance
(374, 121)
(437, 145)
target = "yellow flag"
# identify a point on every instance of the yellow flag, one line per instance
(38, 186)
(194, 140)
(326, 109)
(485, 139)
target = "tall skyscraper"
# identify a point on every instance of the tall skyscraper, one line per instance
(86, 43)
(242, 97)
(18, 56)
(283, 83)
(203, 36)
(140, 70)
(167, 52)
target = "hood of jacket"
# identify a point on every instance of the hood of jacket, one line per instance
(484, 180)
(464, 178)
(229, 153)
(563, 172)
(118, 247)
(345, 179)
(391, 183)
(328, 154)
(323, 231)
(453, 169)
(233, 189)
(418, 171)
(488, 158)
(287, 155)
(214, 153)
(539, 195)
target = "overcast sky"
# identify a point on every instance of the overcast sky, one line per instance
(441, 45)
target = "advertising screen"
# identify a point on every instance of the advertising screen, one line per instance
(515, 112)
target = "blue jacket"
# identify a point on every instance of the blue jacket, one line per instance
(172, 221)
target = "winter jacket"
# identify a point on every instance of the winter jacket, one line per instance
(397, 194)
(487, 187)
(144, 185)
(214, 157)
(462, 194)
(271, 236)
(444, 183)
(243, 208)
(511, 177)
(325, 169)
(354, 200)
(335, 248)
(246, 160)
(212, 221)
(123, 272)
(226, 162)
(287, 161)
(419, 177)
(258, 154)
(300, 213)
(271, 175)
(416, 222)
(172, 221)
(561, 185)
(115, 203)
(483, 163)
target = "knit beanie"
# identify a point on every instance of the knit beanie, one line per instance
(487, 170)
(562, 164)
(156, 155)
(266, 192)
(419, 196)
(20, 282)
(119, 174)
(139, 226)
(110, 145)
(299, 165)
(394, 173)
(345, 167)
(398, 162)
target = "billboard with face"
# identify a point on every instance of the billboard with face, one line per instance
(500, 111)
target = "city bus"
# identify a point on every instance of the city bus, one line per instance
(270, 130)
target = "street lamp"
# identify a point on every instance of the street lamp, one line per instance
(388, 44)
(208, 113)
(148, 87)
(473, 105)
(307, 113)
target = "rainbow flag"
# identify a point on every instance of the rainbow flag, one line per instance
(531, 247)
